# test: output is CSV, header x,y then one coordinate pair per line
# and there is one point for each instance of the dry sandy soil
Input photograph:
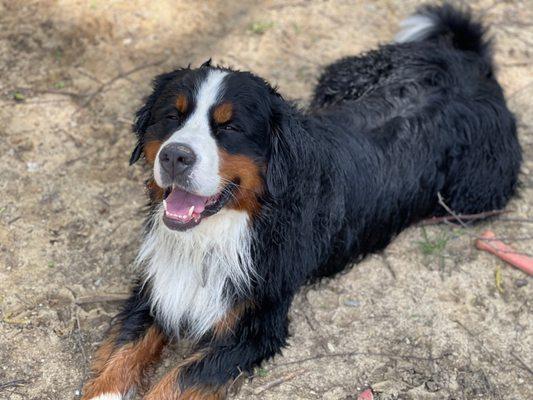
x,y
430,318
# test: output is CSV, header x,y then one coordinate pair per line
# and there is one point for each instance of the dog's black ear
x,y
286,147
136,154
144,115
206,63
142,119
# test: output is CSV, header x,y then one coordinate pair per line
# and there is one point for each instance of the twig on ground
x,y
86,73
67,93
80,342
488,240
13,384
463,217
388,264
102,298
279,381
521,220
122,75
237,382
450,211
83,156
361,353
13,220
522,363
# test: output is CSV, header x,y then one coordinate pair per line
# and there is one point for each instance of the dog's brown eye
x,y
172,117
230,127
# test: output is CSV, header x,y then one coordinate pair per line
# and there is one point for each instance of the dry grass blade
x,y
279,381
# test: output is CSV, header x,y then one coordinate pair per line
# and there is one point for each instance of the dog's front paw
x,y
106,396
202,394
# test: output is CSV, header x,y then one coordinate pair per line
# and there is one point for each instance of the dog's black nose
x,y
176,159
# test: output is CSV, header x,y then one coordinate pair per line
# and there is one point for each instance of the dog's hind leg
x,y
483,175
134,344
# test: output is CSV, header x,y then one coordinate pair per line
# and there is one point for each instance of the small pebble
x,y
351,303
432,386
520,282
32,166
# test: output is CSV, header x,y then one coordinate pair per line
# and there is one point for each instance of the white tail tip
x,y
416,27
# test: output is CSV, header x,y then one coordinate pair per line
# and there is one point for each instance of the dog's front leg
x,y
134,344
247,337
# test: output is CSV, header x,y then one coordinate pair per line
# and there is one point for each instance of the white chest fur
x,y
189,270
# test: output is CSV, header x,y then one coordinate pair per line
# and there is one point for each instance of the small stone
x,y
520,282
32,166
432,386
107,128
352,303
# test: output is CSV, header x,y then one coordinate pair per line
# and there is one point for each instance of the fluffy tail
x,y
446,23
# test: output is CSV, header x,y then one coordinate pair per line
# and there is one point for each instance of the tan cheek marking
x,y
119,370
154,191
223,113
150,150
181,103
249,174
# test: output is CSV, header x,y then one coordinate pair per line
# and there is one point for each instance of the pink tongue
x,y
180,201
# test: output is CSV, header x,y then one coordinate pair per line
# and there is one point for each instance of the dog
x,y
252,197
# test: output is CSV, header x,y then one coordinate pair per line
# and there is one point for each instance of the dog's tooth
x,y
191,211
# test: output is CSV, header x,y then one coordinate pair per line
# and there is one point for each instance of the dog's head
x,y
209,135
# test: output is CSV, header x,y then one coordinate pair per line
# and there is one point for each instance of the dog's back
x,y
438,74
430,118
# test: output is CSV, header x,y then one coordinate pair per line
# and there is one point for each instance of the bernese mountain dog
x,y
252,197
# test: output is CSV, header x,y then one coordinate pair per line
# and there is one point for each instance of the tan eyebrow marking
x,y
181,103
223,113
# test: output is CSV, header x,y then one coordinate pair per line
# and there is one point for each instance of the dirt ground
x,y
430,318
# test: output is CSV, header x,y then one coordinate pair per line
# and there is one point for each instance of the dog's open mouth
x,y
184,210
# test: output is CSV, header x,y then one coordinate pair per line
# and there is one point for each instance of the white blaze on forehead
x,y
196,133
